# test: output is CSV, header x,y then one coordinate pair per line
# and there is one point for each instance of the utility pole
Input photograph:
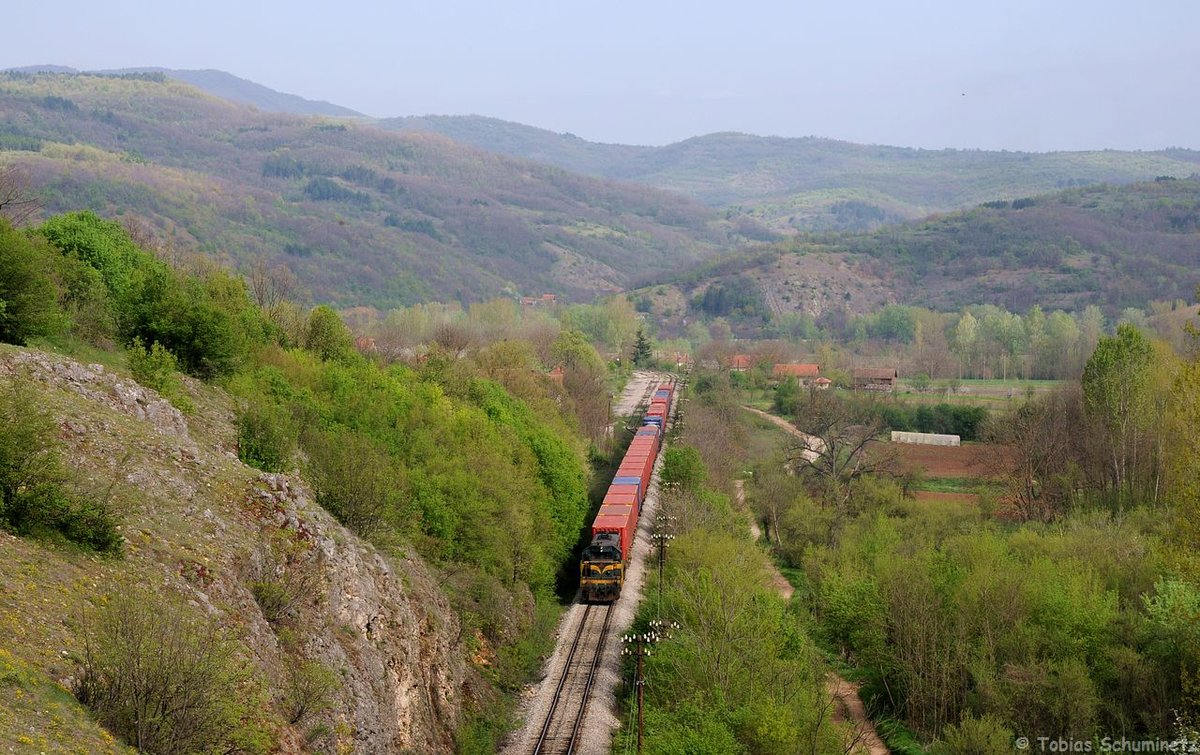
x,y
640,646
663,541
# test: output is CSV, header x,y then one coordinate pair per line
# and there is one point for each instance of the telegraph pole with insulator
x,y
640,645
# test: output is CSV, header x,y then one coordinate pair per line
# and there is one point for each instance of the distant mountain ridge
x,y
361,216
788,184
224,85
811,183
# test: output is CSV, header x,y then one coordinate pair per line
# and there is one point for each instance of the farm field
x,y
966,461
949,473
989,393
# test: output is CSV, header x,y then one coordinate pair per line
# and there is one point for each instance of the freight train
x,y
602,566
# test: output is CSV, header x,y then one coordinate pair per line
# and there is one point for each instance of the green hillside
x,y
1105,245
360,215
811,183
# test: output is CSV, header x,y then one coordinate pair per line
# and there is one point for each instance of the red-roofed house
x,y
802,372
740,362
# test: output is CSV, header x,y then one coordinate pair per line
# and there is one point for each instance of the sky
x,y
1004,74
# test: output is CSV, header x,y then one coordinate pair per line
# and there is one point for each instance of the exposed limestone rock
x,y
200,523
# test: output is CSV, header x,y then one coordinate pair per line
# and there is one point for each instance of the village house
x,y
875,378
803,373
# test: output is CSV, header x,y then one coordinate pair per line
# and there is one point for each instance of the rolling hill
x,y
1112,246
805,184
360,215
223,85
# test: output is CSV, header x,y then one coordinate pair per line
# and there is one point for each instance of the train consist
x,y
602,566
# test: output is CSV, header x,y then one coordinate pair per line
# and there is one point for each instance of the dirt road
x,y
849,706
778,582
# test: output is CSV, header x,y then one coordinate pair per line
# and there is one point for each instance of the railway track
x,y
560,734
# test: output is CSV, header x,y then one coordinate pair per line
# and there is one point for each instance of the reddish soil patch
x,y
974,460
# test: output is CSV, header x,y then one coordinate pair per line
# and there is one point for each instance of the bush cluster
x,y
34,499
83,274
953,419
166,682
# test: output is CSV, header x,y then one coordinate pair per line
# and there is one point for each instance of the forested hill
x,y
1113,246
360,215
811,183
224,85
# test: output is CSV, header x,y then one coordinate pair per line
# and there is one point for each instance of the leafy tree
x,y
966,333
1116,394
102,244
28,294
326,335
682,464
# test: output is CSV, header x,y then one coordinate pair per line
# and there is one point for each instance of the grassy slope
x,y
390,219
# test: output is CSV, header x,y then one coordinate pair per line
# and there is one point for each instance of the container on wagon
x,y
617,524
634,488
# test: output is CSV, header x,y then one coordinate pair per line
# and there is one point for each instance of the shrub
x,y
308,691
266,436
154,367
986,735
167,682
50,511
33,500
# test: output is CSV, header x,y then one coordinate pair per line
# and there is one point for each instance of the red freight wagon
x,y
641,451
619,497
618,524
629,489
648,431
640,467
627,511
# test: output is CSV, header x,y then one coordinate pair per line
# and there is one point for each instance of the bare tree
x,y
271,287
18,200
1041,438
839,446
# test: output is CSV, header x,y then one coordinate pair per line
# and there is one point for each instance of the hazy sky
x,y
1002,74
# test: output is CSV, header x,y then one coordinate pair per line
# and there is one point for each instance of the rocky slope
x,y
199,523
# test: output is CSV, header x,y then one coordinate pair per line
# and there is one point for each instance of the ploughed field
x,y
951,473
967,461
